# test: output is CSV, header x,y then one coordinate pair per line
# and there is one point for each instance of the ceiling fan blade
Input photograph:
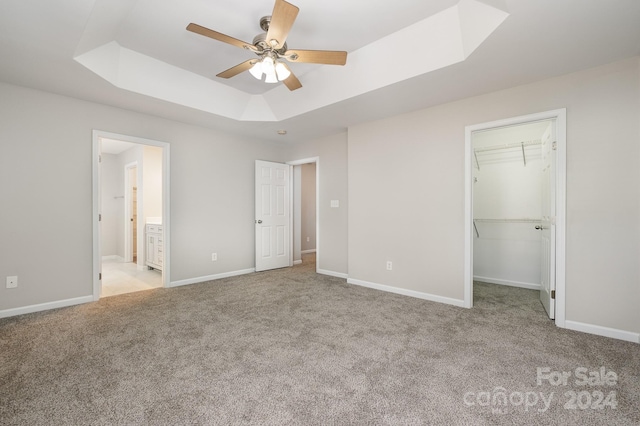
x,y
233,71
282,19
292,81
329,57
198,29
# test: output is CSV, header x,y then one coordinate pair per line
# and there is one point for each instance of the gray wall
x,y
111,207
406,191
297,213
308,207
46,193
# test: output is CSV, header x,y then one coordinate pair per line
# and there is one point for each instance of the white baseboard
x,y
406,292
308,251
297,262
332,273
603,331
45,306
530,286
211,277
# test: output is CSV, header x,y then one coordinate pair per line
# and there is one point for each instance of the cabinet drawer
x,y
152,228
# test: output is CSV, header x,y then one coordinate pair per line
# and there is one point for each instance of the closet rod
x,y
509,146
509,220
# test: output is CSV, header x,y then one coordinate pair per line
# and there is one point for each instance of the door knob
x,y
258,221
539,227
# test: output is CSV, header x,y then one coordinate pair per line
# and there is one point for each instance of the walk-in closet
x,y
508,198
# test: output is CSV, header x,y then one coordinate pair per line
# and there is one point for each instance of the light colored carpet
x,y
292,347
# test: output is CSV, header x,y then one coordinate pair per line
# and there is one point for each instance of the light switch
x,y
335,203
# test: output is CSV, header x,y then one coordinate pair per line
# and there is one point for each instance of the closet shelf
x,y
515,145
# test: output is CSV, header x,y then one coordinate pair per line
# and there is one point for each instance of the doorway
x,y
511,210
130,195
305,211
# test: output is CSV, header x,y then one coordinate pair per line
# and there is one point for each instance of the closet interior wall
x,y
507,205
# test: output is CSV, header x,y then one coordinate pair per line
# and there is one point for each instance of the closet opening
x,y
515,212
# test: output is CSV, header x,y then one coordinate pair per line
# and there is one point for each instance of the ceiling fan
x,y
271,48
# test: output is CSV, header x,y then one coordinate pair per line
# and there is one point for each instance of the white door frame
x,y
560,115
128,234
97,135
309,160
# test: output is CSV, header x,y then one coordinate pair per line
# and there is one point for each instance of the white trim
x,y
166,203
560,115
211,277
405,292
291,218
603,331
299,163
297,262
95,223
307,251
530,286
332,273
45,306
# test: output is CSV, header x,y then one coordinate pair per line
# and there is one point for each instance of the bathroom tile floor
x,y
119,277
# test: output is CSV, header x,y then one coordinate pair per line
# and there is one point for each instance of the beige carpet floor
x,y
292,347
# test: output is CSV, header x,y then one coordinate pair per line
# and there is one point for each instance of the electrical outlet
x,y
12,282
389,265
214,257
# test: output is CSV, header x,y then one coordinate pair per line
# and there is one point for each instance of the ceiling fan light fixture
x,y
256,70
269,70
271,47
271,78
282,71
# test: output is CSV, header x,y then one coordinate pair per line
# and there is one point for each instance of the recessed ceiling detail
x,y
443,39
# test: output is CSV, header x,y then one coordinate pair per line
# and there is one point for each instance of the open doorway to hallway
x,y
129,197
305,211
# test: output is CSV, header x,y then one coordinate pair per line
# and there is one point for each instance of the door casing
x,y
97,135
560,116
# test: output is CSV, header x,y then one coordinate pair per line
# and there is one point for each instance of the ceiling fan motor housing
x,y
260,42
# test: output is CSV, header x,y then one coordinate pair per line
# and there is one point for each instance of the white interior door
x,y
272,216
547,225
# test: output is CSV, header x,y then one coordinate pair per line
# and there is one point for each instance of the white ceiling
x,y
39,40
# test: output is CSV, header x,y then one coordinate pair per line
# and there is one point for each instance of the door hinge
x,y
100,276
99,158
553,294
554,145
99,217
